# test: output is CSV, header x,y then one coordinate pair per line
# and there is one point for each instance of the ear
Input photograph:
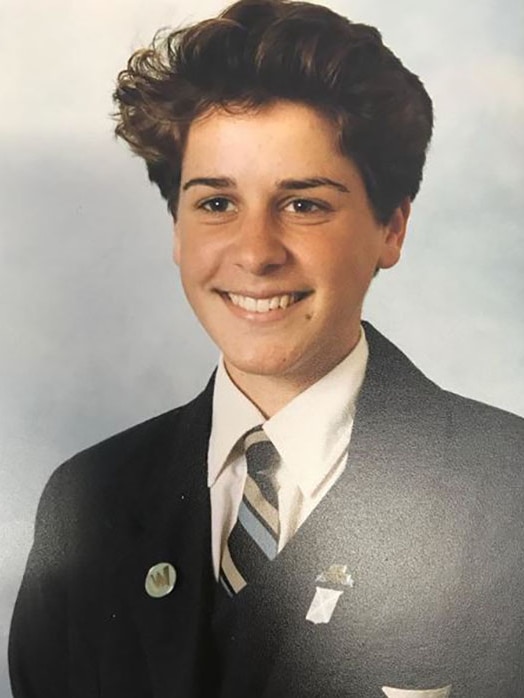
x,y
176,244
394,234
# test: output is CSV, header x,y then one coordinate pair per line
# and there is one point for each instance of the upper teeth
x,y
263,305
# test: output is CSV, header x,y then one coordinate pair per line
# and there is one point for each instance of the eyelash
x,y
214,199
317,206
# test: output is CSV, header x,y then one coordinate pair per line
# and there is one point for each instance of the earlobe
x,y
176,245
394,234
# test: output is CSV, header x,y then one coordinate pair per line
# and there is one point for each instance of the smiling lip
x,y
268,303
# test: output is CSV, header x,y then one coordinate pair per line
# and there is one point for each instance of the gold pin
x,y
336,574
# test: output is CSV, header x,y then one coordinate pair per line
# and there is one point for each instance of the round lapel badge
x,y
160,580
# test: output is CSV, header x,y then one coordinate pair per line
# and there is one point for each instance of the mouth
x,y
268,304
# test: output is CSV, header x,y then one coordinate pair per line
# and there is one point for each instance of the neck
x,y
270,393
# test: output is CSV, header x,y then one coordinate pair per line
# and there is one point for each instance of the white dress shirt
x,y
311,434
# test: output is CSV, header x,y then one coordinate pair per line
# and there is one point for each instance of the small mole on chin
x,y
308,316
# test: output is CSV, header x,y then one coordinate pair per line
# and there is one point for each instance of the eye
x,y
305,206
218,204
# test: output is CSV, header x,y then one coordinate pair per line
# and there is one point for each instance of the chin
x,y
261,364
255,367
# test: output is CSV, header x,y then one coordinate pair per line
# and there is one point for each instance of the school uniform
x,y
407,574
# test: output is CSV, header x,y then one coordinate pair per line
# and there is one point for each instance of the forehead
x,y
276,132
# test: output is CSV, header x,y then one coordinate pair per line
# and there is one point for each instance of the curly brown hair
x,y
259,51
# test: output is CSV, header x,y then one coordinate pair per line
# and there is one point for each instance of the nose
x,y
259,247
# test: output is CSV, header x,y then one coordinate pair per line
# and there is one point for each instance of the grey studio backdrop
x,y
95,332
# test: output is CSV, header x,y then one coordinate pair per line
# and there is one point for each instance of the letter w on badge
x,y
161,578
409,693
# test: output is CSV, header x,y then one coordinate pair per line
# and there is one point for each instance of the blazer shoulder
x,y
471,415
488,442
127,463
107,458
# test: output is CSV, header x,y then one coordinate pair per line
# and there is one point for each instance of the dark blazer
x,y
428,517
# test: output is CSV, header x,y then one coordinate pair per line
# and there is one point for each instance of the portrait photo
x,y
134,169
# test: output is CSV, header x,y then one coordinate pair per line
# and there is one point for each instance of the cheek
x,y
360,257
346,278
199,263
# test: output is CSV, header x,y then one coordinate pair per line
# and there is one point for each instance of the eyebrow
x,y
215,182
287,184
311,183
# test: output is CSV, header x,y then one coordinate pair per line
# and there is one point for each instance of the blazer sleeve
x,y
41,636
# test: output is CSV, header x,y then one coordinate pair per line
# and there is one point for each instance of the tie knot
x,y
261,455
262,462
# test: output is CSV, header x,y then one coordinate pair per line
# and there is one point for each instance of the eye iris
x,y
218,205
303,206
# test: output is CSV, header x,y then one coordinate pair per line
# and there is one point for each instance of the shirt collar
x,y
233,415
310,433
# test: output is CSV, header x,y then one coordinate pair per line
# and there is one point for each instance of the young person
x,y
322,520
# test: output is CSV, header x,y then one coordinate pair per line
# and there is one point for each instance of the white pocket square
x,y
409,693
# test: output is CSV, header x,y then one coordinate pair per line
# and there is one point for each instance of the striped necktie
x,y
254,537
